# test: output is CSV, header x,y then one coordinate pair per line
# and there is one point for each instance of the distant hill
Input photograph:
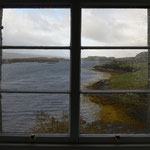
x,y
7,55
124,65
141,57
35,59
98,58
16,57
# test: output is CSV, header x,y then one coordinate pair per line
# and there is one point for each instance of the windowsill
x,y
10,146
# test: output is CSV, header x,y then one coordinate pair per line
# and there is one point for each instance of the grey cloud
x,y
115,27
100,27
35,28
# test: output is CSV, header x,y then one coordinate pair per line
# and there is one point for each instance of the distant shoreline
x,y
116,109
38,60
98,85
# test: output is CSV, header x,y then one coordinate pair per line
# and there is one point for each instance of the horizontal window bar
x,y
35,4
110,138
82,92
115,91
35,47
68,47
35,92
112,135
42,5
23,146
115,47
99,6
40,138
67,3
115,5
55,146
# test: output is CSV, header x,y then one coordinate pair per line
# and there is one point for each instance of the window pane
x,y
35,113
40,27
114,27
36,70
114,70
114,113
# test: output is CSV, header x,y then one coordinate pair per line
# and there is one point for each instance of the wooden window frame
x,y
74,139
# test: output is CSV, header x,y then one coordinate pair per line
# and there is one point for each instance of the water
x,y
18,110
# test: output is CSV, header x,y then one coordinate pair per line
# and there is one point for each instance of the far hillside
x,y
141,57
130,73
16,57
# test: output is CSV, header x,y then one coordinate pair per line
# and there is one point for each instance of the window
x,y
114,69
128,58
36,70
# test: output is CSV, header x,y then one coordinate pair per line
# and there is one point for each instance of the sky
x,y
51,27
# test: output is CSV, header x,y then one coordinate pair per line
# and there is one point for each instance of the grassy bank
x,y
135,79
120,113
125,113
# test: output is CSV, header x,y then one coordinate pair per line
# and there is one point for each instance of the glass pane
x,y
114,27
35,113
38,27
114,70
114,114
36,70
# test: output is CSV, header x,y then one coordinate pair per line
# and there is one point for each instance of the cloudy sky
x,y
100,27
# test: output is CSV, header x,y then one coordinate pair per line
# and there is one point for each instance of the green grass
x,y
119,66
136,80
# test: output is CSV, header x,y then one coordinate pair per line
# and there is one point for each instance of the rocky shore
x,y
120,113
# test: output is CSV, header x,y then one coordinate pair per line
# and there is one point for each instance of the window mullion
x,y
1,13
148,43
75,71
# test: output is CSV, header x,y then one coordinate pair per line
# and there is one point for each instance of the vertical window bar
x,y
1,13
75,71
148,42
